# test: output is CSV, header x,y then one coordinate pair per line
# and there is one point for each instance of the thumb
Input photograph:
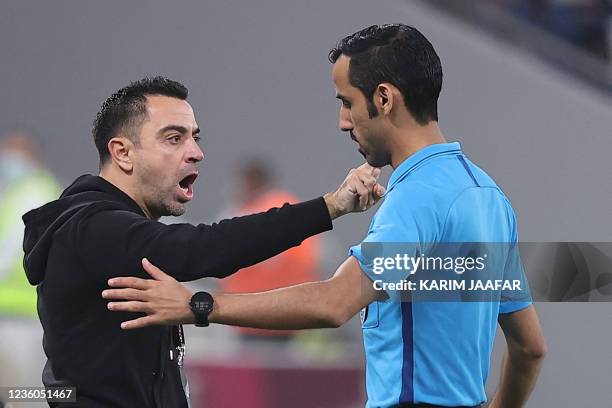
x,y
379,190
154,271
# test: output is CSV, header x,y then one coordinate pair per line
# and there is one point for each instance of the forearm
x,y
305,306
518,378
239,242
311,305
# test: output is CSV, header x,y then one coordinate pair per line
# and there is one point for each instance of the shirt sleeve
x,y
392,230
514,300
112,243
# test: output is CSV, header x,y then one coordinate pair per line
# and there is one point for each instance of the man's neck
x,y
406,142
119,180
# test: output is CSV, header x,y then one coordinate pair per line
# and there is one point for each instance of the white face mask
x,y
12,167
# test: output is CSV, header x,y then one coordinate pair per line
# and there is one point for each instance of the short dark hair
x,y
126,110
259,169
397,54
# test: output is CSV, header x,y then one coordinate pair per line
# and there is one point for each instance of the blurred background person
x,y
255,191
25,184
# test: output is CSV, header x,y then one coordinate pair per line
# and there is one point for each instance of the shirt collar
x,y
419,157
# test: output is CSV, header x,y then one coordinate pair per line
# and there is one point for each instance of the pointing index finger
x,y
374,171
365,167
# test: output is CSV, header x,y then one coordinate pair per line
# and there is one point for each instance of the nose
x,y
195,153
344,121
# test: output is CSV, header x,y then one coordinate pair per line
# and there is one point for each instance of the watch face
x,y
202,302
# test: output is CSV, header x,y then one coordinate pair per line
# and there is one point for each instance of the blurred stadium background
x,y
527,91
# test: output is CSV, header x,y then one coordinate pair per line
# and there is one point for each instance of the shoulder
x,y
419,200
423,199
408,213
104,216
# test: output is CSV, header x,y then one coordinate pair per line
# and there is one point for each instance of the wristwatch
x,y
201,305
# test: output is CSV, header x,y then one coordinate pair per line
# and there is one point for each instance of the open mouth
x,y
186,185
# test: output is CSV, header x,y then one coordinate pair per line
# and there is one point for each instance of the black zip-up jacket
x,y
93,232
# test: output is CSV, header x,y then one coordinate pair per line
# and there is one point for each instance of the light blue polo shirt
x,y
434,352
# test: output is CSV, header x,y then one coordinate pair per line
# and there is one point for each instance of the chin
x,y
174,209
375,161
178,210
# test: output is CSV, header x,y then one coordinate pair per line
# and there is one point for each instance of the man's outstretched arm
x,y
521,365
328,303
189,252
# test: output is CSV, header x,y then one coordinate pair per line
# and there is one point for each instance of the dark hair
x,y
397,54
259,169
126,110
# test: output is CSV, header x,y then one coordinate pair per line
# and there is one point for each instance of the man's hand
x,y
359,192
164,300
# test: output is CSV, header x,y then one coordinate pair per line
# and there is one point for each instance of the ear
x,y
384,97
120,148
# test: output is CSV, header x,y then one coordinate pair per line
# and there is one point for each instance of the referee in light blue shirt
x,y
434,352
419,354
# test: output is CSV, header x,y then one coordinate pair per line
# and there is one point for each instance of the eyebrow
x,y
342,97
178,128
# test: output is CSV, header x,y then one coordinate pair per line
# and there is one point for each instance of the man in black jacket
x,y
147,139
